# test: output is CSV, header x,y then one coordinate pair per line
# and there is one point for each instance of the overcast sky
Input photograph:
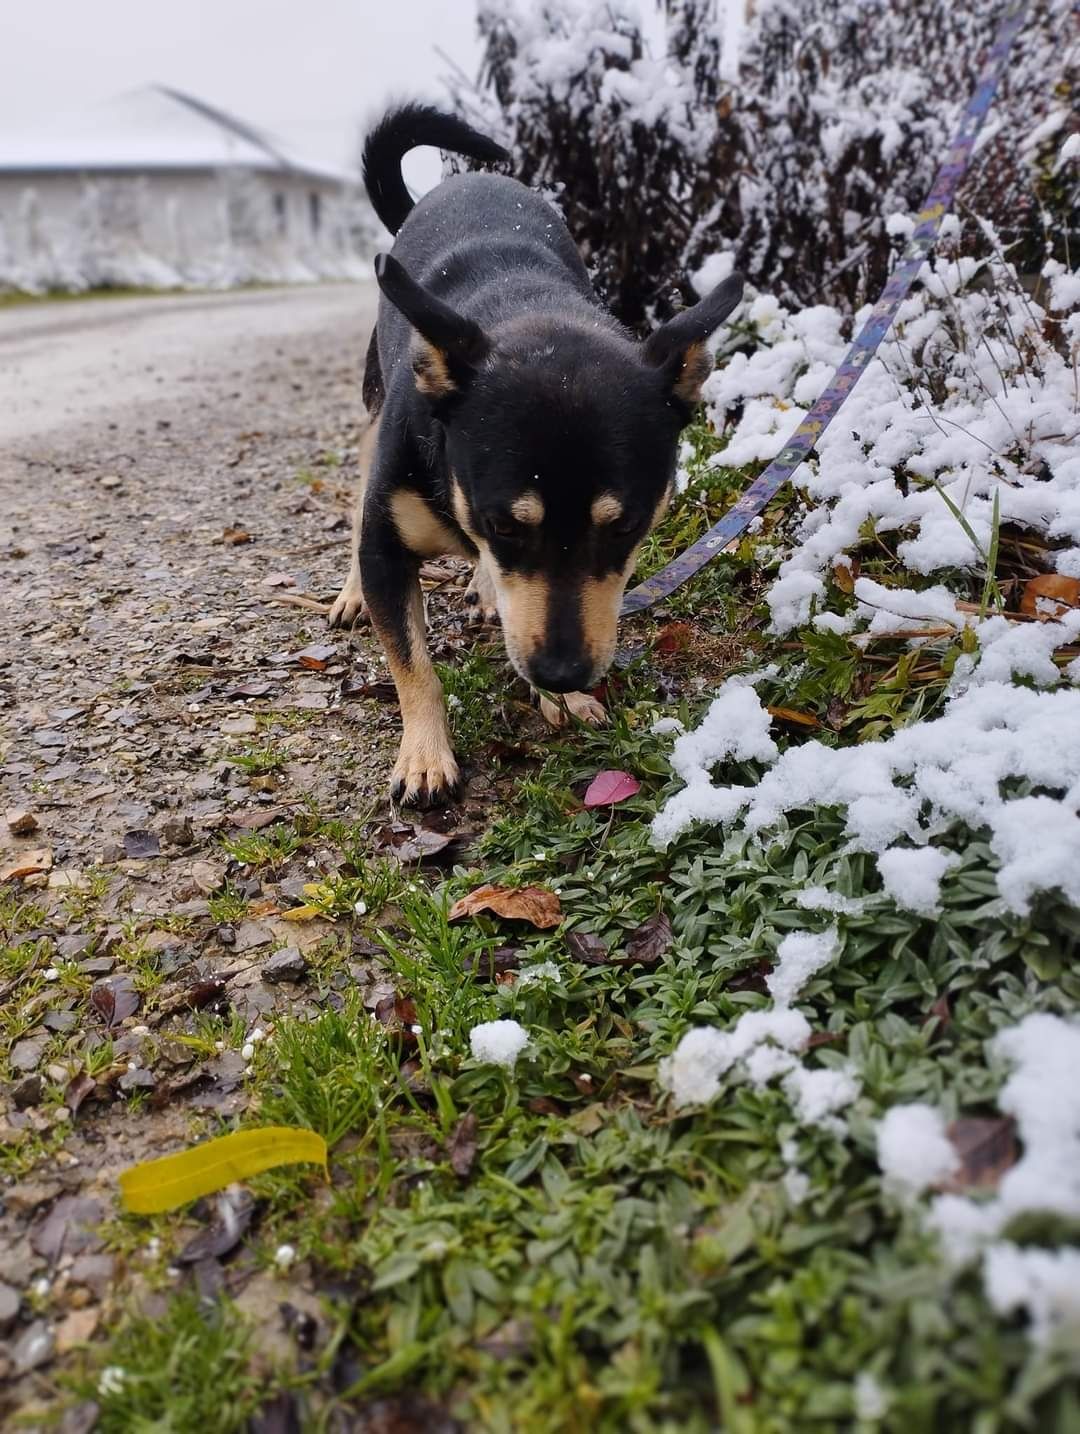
x,y
311,71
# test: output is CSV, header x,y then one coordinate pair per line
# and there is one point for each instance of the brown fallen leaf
x,y
317,657
254,821
673,637
79,1088
115,999
986,1147
535,904
646,945
844,575
398,1015
1050,596
789,714
406,842
461,1147
28,863
235,537
586,947
490,965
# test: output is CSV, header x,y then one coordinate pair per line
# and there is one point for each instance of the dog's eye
x,y
502,528
625,527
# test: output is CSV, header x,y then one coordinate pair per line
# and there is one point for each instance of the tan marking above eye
x,y
529,508
606,509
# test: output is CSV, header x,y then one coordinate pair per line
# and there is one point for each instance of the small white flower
x,y
219,1045
311,862
258,1034
111,1380
153,1248
416,1030
51,973
133,1065
247,1051
41,1287
360,908
284,1256
452,700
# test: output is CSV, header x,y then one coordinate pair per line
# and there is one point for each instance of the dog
x,y
513,421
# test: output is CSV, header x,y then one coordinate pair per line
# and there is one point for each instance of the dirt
x,y
171,470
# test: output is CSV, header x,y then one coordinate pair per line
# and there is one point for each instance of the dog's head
x,y
561,440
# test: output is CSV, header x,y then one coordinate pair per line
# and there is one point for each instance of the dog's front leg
x,y
426,771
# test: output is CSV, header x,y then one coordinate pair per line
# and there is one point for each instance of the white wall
x,y
174,230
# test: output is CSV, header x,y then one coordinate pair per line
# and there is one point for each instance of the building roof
x,y
154,128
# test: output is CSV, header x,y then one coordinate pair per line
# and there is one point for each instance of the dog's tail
x,y
404,129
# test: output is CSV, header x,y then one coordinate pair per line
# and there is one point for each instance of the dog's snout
x,y
560,674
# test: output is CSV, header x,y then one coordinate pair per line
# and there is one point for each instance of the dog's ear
x,y
448,347
678,347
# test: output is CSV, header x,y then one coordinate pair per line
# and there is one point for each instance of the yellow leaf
x,y
314,888
301,913
165,1184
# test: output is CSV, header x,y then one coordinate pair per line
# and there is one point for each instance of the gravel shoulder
x,y
169,467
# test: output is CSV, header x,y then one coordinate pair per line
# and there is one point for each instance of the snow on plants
x,y
1042,1094
498,1042
763,1045
899,794
970,402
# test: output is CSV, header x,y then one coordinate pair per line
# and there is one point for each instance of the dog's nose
x,y
560,674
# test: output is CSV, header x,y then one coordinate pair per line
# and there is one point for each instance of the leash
x,y
798,448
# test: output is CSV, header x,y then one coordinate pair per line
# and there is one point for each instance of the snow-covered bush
x,y
789,152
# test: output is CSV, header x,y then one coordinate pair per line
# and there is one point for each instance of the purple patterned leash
x,y
928,222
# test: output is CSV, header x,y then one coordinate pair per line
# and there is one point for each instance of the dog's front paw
x,y
480,607
580,705
348,605
425,773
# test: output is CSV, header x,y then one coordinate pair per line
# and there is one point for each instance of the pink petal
x,y
607,788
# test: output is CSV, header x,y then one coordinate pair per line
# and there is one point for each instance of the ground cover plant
x,y
747,1099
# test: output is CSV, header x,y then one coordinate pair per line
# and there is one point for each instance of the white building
x,y
158,189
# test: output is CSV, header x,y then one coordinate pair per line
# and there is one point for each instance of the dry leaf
x,y
789,714
535,904
316,657
646,945
78,1088
986,1147
462,1146
673,637
115,999
175,1180
607,788
301,913
28,863
584,946
1050,596
407,843
234,537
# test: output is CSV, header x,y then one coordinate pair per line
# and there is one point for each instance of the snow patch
x,y
913,1149
499,1043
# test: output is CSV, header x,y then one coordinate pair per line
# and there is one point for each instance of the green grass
x,y
186,1371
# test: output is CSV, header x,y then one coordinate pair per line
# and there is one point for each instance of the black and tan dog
x,y
515,422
